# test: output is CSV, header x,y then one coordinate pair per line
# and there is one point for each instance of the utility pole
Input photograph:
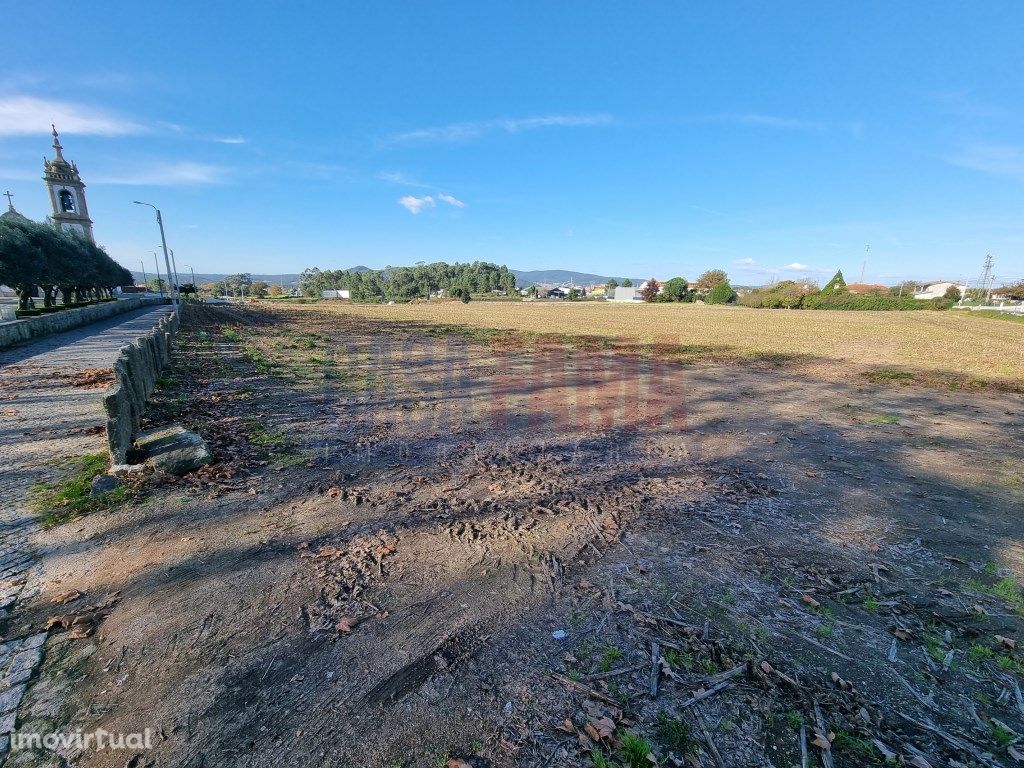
x,y
159,282
145,280
987,276
167,260
864,266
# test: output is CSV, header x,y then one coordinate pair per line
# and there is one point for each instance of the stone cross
x,y
10,199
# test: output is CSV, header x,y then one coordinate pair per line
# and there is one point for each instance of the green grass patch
x,y
675,735
69,498
891,376
635,749
231,334
871,604
884,418
608,658
1000,735
996,315
265,436
849,743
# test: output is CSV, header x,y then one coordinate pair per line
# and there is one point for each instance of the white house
x,y
335,294
938,290
626,294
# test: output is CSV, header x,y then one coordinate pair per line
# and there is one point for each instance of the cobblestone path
x,y
45,416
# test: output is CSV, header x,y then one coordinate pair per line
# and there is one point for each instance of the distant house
x,y
866,288
597,291
336,294
938,290
557,293
627,294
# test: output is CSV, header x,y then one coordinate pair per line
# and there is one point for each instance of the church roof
x,y
14,216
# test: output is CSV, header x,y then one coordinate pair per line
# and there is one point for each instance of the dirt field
x,y
949,343
428,546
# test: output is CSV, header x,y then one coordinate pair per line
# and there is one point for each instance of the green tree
x,y
722,293
952,293
836,285
627,283
611,285
676,289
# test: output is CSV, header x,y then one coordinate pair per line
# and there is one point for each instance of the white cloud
x,y
744,263
231,140
451,200
27,115
459,132
416,204
180,174
796,265
996,159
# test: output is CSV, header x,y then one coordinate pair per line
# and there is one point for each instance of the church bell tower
x,y
67,193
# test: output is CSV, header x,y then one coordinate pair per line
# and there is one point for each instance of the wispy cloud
x,y
28,115
796,265
453,201
996,159
180,174
416,204
231,140
461,132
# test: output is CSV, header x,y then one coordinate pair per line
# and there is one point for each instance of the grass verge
x,y
70,498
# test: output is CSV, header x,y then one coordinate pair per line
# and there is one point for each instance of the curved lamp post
x,y
167,259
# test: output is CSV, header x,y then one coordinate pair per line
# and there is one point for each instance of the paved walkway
x,y
45,417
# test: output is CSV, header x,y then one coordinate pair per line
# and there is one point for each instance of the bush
x,y
870,301
722,293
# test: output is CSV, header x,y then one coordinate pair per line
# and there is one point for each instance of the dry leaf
x,y
567,726
1007,642
333,493
346,624
811,601
67,597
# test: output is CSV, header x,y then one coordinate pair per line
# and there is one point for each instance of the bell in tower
x,y
67,193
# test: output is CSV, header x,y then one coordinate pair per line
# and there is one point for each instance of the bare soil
x,y
419,550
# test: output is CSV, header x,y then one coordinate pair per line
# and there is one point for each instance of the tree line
x,y
407,283
35,256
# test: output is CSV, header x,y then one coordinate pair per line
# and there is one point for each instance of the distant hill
x,y
559,276
205,277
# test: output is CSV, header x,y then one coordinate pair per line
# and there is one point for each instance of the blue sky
x,y
768,139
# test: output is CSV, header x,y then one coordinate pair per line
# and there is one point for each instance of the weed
x,y
608,658
1001,735
979,652
674,735
261,435
1011,664
884,418
635,749
678,659
824,630
794,719
890,376
871,604
847,742
598,759
231,334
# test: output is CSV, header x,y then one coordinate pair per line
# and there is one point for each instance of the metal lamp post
x,y
167,259
194,286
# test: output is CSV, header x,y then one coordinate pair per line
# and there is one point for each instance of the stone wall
x,y
136,370
43,325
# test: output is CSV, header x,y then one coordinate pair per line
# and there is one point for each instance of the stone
x,y
11,698
173,449
120,470
102,484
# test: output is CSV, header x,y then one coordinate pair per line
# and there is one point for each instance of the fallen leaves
x,y
346,624
66,597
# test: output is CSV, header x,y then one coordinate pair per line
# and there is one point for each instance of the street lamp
x,y
167,260
194,286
